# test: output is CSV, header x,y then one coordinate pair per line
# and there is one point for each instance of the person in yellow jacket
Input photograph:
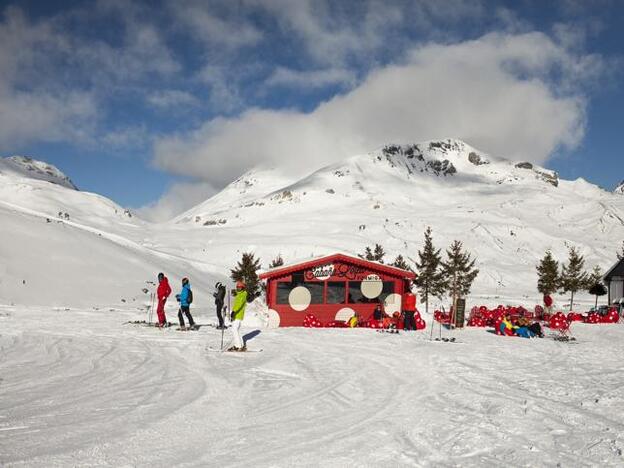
x,y
238,314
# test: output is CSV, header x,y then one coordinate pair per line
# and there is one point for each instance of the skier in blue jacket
x,y
185,297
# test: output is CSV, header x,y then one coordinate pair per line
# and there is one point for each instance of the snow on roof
x,y
314,261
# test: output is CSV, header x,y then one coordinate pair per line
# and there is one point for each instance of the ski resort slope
x,y
81,388
61,263
507,214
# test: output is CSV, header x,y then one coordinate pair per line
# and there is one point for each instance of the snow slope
x,y
65,248
507,213
82,389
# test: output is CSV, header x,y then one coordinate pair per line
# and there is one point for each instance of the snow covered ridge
x,y
620,188
449,157
24,166
370,175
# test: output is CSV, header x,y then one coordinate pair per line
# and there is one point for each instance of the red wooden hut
x,y
332,287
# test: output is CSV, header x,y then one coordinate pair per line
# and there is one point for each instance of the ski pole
x,y
223,328
151,309
432,324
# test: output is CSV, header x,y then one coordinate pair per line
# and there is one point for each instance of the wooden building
x,y
614,280
332,287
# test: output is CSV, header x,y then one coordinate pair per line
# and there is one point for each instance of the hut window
x,y
355,293
388,288
316,291
285,287
283,290
336,292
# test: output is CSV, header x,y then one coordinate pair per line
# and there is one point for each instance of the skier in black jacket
x,y
219,296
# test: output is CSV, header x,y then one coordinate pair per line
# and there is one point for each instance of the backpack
x,y
189,298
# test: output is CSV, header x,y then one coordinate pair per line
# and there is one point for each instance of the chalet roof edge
x,y
615,265
301,265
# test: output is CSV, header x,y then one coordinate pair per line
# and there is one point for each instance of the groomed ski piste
x,y
81,388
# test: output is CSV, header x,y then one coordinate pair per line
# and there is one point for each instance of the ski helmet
x,y
218,285
161,276
185,281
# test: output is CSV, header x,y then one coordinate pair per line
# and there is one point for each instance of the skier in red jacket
x,y
162,292
409,307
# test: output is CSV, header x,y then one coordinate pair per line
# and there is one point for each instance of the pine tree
x,y
399,262
367,255
277,262
595,285
459,271
376,254
573,278
247,271
379,253
430,281
548,274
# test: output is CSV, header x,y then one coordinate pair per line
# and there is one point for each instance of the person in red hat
x,y
238,314
163,292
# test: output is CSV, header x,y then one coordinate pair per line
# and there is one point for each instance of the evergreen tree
x,y
573,278
430,280
277,262
379,253
595,285
548,274
376,254
367,255
400,262
459,271
247,271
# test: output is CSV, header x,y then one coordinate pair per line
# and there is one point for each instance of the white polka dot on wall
x,y
299,298
371,288
274,319
392,303
344,314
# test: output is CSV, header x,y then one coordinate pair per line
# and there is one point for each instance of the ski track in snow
x,y
81,388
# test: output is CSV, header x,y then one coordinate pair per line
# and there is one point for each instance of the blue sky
x,y
160,104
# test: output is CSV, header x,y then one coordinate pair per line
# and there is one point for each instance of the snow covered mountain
x,y
507,213
620,188
27,167
63,247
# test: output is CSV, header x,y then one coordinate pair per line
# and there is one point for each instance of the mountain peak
x,y
24,166
620,188
451,157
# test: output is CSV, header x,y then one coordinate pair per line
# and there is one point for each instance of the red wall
x,y
342,272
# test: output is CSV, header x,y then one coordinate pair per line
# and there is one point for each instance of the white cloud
x,y
171,99
202,20
494,92
287,77
46,113
179,198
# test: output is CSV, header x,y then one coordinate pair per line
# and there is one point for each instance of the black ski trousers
x,y
408,322
220,313
187,312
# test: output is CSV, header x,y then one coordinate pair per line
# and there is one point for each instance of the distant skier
x,y
163,292
238,314
219,296
186,298
409,308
